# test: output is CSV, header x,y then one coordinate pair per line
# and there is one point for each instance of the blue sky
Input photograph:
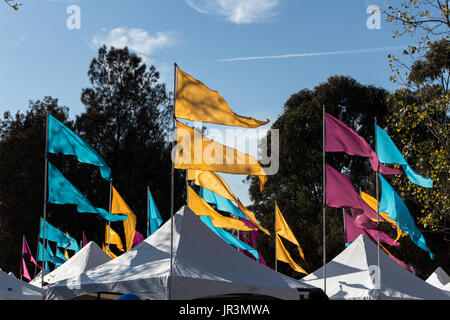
x,y
286,45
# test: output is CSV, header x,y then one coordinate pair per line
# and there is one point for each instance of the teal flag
x,y
221,203
229,238
154,217
53,234
61,191
388,153
393,205
49,256
61,256
63,140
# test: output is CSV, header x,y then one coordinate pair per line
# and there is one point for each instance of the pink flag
x,y
341,138
252,242
24,270
26,252
340,193
85,242
138,238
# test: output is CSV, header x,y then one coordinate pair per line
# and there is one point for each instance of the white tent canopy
x,y
353,275
440,279
90,256
12,288
203,266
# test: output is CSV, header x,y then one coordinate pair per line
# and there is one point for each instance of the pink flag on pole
x,y
85,242
138,238
340,193
26,252
341,138
24,270
252,242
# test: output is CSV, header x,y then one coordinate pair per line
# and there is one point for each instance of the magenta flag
x,y
24,270
340,193
252,241
85,242
138,238
341,138
26,252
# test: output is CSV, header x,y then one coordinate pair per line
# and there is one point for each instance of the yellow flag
x,y
201,208
105,249
285,231
196,102
66,254
196,152
283,255
372,202
213,182
113,238
119,206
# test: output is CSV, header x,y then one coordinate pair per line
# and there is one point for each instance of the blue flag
x,y
54,234
154,217
63,140
229,238
49,256
393,205
388,153
61,256
61,191
221,203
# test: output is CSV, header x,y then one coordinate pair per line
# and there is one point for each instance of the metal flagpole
x,y
109,222
172,182
148,208
324,204
21,256
378,219
345,229
45,203
276,235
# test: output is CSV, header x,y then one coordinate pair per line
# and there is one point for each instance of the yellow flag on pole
x,y
213,182
196,102
196,152
112,255
119,206
113,238
372,202
285,231
201,208
284,256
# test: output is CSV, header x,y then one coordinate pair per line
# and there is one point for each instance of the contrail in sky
x,y
314,54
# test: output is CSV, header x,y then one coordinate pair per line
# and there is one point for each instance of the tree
x,y
297,187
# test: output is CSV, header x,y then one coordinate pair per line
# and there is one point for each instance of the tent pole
x,y
324,204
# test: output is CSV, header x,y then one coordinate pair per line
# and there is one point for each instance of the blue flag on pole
x,y
388,153
53,234
229,238
61,191
154,217
49,256
221,203
393,205
63,140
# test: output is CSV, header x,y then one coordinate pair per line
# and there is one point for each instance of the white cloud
x,y
135,39
237,11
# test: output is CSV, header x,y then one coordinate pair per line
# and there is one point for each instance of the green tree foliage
x,y
126,121
297,187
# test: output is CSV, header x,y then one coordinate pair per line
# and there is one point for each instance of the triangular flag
x,y
284,256
195,101
154,217
113,237
119,206
285,231
108,252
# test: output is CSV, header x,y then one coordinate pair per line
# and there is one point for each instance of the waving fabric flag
x,y
119,206
388,153
285,231
54,234
341,138
284,256
195,101
26,252
61,191
24,270
49,256
252,240
138,238
229,238
340,193
393,205
221,203
154,217
194,151
112,237
213,182
201,208
63,140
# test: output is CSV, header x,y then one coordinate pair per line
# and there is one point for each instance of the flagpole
x,y
148,208
275,233
109,222
378,219
21,256
324,204
172,181
345,229
45,203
